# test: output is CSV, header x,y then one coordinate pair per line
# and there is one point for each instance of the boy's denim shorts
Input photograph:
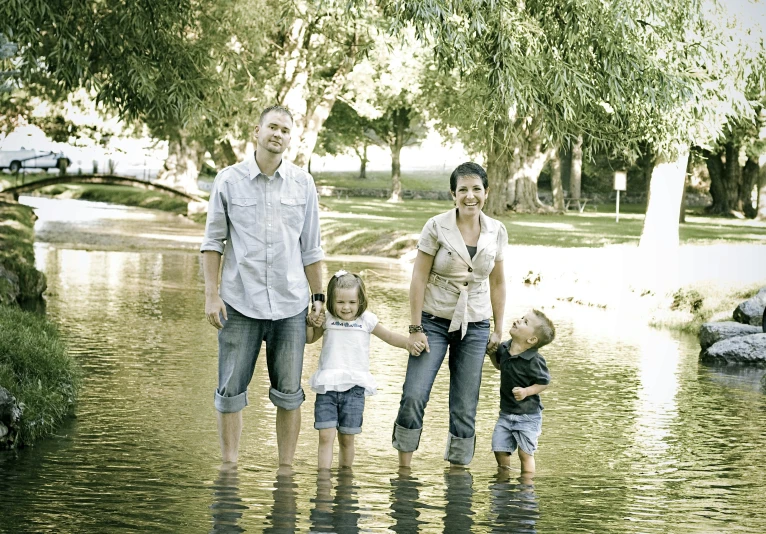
x,y
340,409
522,431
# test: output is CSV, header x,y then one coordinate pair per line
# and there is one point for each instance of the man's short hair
x,y
278,109
545,331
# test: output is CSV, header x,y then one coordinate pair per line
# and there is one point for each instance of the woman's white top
x,y
345,358
458,285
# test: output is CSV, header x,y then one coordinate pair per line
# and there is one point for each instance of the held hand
x,y
494,341
415,348
316,315
519,393
214,308
415,338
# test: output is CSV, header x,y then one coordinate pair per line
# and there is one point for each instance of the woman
x,y
457,282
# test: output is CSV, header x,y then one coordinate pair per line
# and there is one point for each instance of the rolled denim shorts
x,y
239,342
340,409
514,430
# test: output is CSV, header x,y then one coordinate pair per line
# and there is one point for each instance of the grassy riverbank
x,y
34,365
37,370
117,194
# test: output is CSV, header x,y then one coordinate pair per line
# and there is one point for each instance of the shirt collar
x,y
526,355
252,167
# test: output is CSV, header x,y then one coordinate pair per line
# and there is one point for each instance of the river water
x,y
637,435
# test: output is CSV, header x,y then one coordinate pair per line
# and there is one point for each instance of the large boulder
x,y
751,311
711,333
749,350
10,413
9,286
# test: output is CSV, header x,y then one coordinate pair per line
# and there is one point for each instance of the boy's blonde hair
x,y
545,331
346,281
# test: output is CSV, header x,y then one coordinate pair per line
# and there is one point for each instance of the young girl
x,y
343,378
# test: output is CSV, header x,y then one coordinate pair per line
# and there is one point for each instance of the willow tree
x,y
622,72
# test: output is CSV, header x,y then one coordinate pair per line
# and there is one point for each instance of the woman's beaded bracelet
x,y
416,328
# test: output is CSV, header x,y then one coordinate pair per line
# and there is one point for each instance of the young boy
x,y
524,375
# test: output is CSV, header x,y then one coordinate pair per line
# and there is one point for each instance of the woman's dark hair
x,y
346,281
468,168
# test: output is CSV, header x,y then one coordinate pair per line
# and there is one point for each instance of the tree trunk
x,y
575,180
646,164
556,185
523,182
362,155
761,215
715,169
749,180
682,213
733,175
181,168
499,170
565,159
659,238
226,153
401,118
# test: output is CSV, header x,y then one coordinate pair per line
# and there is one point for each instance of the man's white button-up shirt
x,y
267,228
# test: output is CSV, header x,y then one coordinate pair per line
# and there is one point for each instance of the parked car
x,y
30,158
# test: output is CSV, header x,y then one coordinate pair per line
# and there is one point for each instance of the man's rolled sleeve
x,y
310,240
216,226
428,241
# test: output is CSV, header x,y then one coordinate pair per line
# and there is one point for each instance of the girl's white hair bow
x,y
340,273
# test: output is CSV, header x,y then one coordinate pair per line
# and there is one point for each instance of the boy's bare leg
x,y
347,451
326,442
229,432
288,428
527,463
405,459
503,459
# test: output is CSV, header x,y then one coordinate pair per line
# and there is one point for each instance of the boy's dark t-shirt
x,y
522,370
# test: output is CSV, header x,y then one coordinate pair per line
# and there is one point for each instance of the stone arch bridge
x,y
106,179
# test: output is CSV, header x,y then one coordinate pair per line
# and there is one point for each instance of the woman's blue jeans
x,y
466,358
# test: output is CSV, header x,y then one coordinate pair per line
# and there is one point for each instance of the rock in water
x,y
711,333
10,413
748,350
752,310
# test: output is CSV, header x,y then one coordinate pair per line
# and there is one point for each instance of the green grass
x,y
17,252
416,181
376,227
691,306
37,370
117,194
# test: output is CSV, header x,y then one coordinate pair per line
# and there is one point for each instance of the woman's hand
x,y
494,341
418,339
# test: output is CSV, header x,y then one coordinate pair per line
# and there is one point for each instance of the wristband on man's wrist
x,y
416,328
317,297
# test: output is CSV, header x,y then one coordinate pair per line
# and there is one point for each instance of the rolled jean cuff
x,y
287,401
406,439
230,404
459,450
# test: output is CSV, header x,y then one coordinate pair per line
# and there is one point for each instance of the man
x,y
263,217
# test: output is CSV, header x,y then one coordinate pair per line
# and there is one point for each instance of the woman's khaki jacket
x,y
458,286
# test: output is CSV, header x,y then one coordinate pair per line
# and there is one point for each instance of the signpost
x,y
620,184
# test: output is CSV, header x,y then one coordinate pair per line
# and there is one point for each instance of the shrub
x,y
36,369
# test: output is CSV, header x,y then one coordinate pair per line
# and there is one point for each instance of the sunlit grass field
x,y
374,226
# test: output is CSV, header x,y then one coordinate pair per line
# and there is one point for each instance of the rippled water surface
x,y
637,436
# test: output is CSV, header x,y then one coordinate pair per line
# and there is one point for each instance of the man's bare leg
x,y
229,431
288,428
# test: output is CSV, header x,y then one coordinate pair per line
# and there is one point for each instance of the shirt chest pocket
x,y
293,212
448,263
242,212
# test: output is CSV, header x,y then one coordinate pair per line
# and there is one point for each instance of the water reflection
x,y
514,505
405,502
284,512
339,514
227,507
458,494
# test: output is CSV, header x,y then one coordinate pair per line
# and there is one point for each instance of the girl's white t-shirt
x,y
345,358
